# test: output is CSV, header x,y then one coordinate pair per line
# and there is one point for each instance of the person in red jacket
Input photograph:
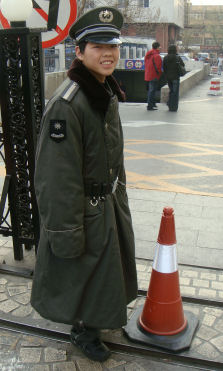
x,y
153,72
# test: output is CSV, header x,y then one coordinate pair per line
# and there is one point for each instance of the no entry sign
x,y
67,12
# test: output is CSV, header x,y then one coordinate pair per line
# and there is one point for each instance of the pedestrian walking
x,y
153,72
220,64
85,272
171,66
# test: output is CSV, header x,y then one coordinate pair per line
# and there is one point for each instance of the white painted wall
x,y
171,11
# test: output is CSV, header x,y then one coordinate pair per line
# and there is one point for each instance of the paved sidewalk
x,y
26,352
198,220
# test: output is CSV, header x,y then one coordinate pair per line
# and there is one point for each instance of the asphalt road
x,y
176,151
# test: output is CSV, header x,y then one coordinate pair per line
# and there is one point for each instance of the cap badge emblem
x,y
57,126
106,16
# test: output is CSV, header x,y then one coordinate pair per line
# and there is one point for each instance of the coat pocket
x,y
67,243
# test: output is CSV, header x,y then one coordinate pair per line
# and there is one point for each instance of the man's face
x,y
100,59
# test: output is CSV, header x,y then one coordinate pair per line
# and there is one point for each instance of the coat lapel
x,y
96,92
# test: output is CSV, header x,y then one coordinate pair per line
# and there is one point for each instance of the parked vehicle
x,y
204,57
184,57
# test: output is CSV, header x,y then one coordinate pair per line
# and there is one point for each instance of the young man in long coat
x,y
85,273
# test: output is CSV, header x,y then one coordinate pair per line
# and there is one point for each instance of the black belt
x,y
98,191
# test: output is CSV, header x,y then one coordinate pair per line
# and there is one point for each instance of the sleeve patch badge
x,y
58,130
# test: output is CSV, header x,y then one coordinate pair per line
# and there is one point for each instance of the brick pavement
x,y
26,353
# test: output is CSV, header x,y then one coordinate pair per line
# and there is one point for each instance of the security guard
x,y
85,273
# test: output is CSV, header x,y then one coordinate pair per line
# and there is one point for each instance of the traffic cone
x,y
163,310
215,88
161,321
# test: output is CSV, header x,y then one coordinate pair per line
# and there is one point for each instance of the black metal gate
x,y
22,102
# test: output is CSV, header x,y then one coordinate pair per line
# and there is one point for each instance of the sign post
x,y
55,16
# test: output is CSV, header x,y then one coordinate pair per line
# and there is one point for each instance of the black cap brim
x,y
112,40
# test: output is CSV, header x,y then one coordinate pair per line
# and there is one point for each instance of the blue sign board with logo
x,y
134,64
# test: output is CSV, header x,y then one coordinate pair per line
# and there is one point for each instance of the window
x,y
122,52
197,41
209,42
143,3
197,16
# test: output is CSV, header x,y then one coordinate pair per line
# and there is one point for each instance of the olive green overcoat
x,y
85,266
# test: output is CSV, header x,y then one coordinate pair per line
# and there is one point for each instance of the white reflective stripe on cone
x,y
165,260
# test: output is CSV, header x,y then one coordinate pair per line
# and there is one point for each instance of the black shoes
x,y
152,108
88,340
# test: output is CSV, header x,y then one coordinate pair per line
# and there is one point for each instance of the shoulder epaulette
x,y
70,91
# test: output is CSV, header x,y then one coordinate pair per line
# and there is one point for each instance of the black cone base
x,y
174,343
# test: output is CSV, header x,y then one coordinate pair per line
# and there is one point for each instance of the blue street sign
x,y
134,64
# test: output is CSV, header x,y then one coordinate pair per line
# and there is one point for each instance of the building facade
x,y
206,28
148,19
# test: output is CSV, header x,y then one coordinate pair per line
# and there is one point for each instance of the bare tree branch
x,y
80,7
143,18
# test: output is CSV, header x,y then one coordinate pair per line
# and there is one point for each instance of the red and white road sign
x,y
66,16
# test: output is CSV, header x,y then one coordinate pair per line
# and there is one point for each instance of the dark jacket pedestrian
x,y
85,273
153,72
171,70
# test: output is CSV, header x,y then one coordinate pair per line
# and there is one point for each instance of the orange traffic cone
x,y
162,321
163,310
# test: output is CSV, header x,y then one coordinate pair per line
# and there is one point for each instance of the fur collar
x,y
96,92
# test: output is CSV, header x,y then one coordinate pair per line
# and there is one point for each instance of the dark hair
x,y
82,45
172,49
155,45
